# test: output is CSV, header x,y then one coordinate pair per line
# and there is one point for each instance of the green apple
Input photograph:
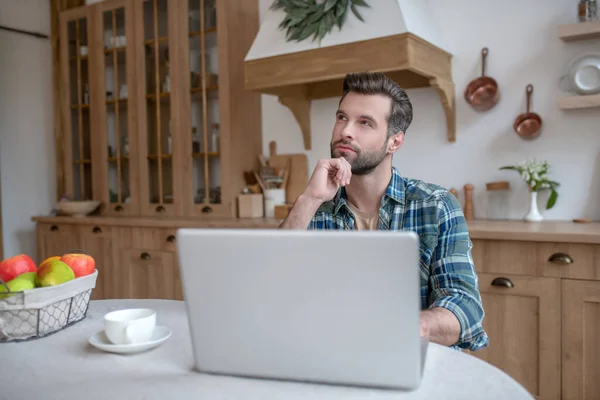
x,y
54,273
30,276
18,284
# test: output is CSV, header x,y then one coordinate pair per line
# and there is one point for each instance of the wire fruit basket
x,y
39,312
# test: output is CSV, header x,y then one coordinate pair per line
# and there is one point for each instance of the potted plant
x,y
535,174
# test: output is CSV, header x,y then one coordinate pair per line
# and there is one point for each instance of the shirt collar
x,y
395,191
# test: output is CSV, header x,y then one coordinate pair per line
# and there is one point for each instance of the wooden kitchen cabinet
x,y
115,174
581,339
542,305
157,119
523,324
148,274
77,159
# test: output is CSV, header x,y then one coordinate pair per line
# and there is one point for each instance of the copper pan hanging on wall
x,y
482,93
529,124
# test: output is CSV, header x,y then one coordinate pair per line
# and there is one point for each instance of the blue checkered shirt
x,y
448,277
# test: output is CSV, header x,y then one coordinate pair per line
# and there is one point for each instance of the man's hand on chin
x,y
440,326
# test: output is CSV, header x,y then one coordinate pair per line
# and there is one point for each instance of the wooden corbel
x,y
299,104
445,89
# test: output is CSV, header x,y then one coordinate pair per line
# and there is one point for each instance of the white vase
x,y
534,214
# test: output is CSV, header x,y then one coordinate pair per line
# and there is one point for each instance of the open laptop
x,y
336,307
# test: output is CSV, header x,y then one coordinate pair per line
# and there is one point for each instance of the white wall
x,y
524,48
27,165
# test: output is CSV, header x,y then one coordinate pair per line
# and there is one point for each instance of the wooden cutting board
x,y
298,177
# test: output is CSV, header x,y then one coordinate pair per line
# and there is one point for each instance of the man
x,y
358,188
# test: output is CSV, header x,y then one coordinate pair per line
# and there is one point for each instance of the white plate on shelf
x,y
100,341
583,75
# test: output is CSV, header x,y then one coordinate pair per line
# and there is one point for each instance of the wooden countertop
x,y
546,231
164,222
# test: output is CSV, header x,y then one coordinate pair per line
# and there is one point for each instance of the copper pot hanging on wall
x,y
529,124
482,93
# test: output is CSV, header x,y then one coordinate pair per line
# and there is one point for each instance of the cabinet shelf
x,y
115,159
122,102
209,154
159,40
82,106
579,31
166,156
203,32
578,102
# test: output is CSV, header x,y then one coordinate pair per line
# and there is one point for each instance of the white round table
x,y
64,366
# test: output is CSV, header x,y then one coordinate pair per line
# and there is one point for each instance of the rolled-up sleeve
x,y
453,279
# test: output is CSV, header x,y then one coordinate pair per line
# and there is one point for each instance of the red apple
x,y
15,266
81,264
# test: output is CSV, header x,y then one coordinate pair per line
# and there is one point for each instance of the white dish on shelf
x,y
100,341
77,208
583,75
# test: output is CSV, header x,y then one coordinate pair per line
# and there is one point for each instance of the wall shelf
x,y
579,31
577,102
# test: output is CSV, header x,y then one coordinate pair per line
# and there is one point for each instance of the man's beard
x,y
365,162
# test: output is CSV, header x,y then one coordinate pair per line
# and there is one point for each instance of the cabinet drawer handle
x,y
54,228
503,282
160,209
560,258
171,239
119,208
145,256
207,209
97,230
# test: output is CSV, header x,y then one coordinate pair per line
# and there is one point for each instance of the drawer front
x,y
100,231
158,239
57,228
549,259
505,257
570,260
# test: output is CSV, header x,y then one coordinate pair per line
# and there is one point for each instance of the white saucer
x,y
100,341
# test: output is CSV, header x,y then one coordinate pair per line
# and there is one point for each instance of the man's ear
x,y
395,142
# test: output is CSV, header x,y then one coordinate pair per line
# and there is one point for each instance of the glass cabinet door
x,y
74,32
116,113
203,184
155,36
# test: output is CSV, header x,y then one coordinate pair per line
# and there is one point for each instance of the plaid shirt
x,y
448,277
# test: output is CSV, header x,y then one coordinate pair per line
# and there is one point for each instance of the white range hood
x,y
397,37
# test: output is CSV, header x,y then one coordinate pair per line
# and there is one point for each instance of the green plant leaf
x,y
356,13
329,4
277,4
341,8
315,17
552,199
340,21
360,3
511,167
321,29
301,3
306,32
296,20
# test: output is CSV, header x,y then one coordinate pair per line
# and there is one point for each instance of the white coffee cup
x,y
130,326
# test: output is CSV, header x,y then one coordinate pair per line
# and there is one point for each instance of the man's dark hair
x,y
401,113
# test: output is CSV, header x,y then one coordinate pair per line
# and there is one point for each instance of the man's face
x,y
360,131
